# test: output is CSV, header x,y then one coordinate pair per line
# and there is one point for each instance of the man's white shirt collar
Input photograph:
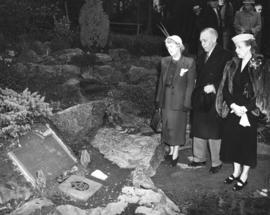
x,y
210,52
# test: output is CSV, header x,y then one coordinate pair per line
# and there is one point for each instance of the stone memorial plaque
x,y
42,149
79,187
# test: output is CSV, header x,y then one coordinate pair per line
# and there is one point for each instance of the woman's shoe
x,y
239,185
174,161
230,179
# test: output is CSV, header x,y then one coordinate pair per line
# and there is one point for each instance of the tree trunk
x,y
149,29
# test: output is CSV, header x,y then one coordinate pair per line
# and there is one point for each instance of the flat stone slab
x,y
42,150
79,187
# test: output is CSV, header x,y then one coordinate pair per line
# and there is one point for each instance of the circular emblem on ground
x,y
79,185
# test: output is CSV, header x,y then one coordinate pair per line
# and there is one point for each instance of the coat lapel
x,y
232,72
213,54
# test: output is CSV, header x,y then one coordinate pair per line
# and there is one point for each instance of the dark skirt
x,y
174,127
173,123
239,144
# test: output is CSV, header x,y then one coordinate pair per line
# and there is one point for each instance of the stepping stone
x,y
79,188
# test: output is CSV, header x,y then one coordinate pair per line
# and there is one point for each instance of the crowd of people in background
x,y
228,18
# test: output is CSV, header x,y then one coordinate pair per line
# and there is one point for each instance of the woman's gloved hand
x,y
238,110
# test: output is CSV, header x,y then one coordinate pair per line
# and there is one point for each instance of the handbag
x,y
156,121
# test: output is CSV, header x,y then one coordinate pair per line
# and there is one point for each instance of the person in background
x,y
197,23
205,123
258,8
176,83
247,19
241,98
227,18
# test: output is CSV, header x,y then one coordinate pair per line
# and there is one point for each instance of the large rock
x,y
105,74
137,74
41,48
66,55
125,113
119,54
12,191
34,206
113,208
69,210
66,70
140,179
71,92
29,55
150,202
77,121
127,151
93,88
103,58
108,74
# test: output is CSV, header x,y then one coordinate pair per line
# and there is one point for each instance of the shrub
x,y
94,24
18,111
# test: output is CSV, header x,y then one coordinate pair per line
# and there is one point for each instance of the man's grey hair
x,y
211,31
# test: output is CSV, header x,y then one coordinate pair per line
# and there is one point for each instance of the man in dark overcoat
x,y
211,17
206,125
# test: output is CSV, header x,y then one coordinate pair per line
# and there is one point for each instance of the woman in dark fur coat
x,y
242,96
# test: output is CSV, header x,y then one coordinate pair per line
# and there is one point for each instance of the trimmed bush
x,y
18,111
94,24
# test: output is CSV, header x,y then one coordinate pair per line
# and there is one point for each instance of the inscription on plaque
x,y
42,149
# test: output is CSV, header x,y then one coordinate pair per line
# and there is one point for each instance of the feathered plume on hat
x,y
163,30
174,38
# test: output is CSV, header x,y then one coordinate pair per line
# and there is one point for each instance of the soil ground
x,y
196,191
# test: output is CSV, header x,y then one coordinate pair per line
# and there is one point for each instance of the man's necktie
x,y
206,57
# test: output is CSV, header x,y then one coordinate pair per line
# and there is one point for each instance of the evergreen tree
x,y
94,24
